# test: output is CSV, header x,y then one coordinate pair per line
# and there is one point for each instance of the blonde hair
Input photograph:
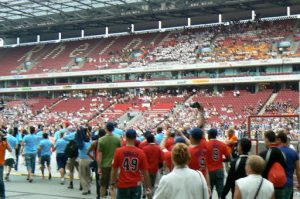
x,y
256,163
181,155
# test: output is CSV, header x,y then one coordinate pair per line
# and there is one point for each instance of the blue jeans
x,y
129,193
2,188
30,161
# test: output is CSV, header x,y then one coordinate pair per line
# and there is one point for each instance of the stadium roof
x,y
25,17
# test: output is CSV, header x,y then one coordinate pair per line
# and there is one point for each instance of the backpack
x,y
277,174
71,150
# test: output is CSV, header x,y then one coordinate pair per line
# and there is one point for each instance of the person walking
x,y
107,146
3,147
45,148
237,168
293,164
216,150
254,185
61,158
10,156
182,182
131,162
29,147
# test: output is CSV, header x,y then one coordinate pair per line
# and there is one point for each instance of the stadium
x,y
143,64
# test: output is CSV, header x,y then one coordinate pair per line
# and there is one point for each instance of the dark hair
x,y
159,130
45,135
270,135
15,133
282,137
150,138
245,145
101,133
31,130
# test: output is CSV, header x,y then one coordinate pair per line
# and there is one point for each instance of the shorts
x,y
61,160
9,162
45,159
105,178
30,161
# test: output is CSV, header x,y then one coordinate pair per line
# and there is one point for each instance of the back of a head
x,y
150,138
159,129
45,135
131,134
196,134
245,145
256,164
110,126
270,135
212,133
31,130
181,155
282,137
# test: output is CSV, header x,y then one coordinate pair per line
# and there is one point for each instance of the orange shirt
x,y
3,147
215,152
168,159
131,160
143,143
231,146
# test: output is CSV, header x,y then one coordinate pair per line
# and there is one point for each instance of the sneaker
x,y
70,186
50,176
62,181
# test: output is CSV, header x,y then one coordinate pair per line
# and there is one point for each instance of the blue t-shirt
x,y
57,133
61,145
46,145
69,136
12,141
118,133
83,151
40,135
19,138
159,137
291,158
31,142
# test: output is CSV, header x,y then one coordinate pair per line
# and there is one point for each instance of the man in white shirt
x,y
254,185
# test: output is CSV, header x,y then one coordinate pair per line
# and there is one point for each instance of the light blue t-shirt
x,y
40,136
159,137
57,133
83,151
31,142
12,141
69,136
19,138
118,133
61,145
46,145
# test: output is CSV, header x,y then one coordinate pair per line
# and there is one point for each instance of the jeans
x,y
2,188
30,161
129,193
217,179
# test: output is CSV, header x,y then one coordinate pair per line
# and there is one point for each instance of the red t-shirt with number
x,y
198,157
130,160
215,153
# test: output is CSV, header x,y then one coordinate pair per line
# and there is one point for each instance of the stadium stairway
x,y
270,100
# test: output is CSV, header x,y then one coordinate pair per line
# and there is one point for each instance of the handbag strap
x,y
262,179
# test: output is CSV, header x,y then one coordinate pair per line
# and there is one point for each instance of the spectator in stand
x,y
272,155
237,167
10,156
45,147
61,158
216,150
194,185
154,157
159,135
132,164
106,149
293,164
254,185
29,147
